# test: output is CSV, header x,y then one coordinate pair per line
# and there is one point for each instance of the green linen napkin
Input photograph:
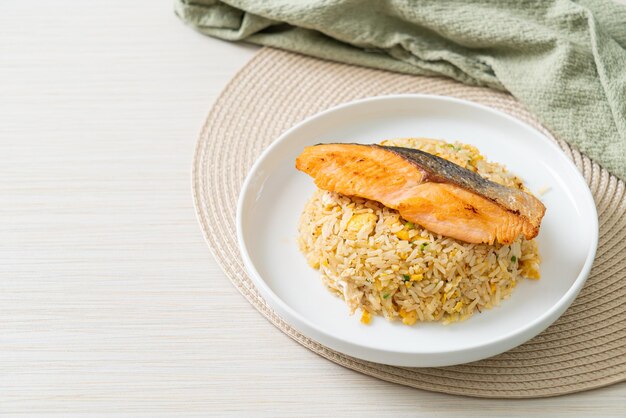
x,y
565,60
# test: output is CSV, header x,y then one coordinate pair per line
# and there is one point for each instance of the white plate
x,y
274,194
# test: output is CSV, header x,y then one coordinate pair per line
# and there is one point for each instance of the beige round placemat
x,y
584,349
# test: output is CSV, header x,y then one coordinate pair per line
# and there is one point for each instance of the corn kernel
x,y
458,306
416,277
403,234
493,288
471,148
366,317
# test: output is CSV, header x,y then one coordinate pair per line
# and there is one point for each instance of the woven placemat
x,y
584,349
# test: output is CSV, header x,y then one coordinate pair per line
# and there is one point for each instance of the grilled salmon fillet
x,y
425,189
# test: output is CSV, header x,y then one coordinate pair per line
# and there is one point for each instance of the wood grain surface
x,y
110,302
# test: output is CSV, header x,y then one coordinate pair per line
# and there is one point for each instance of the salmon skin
x,y
430,191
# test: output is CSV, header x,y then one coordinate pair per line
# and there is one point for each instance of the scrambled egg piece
x,y
408,318
360,221
529,270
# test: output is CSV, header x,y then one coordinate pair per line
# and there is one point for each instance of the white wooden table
x,y
110,301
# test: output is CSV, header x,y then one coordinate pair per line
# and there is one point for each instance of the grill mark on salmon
x,y
435,193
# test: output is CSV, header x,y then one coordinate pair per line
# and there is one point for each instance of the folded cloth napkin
x,y
565,60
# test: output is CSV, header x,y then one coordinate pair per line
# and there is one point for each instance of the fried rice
x,y
381,264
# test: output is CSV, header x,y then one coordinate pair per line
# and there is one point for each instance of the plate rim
x,y
310,330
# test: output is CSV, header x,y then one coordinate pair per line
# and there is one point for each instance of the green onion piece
x,y
406,277
424,244
514,259
386,295
409,225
